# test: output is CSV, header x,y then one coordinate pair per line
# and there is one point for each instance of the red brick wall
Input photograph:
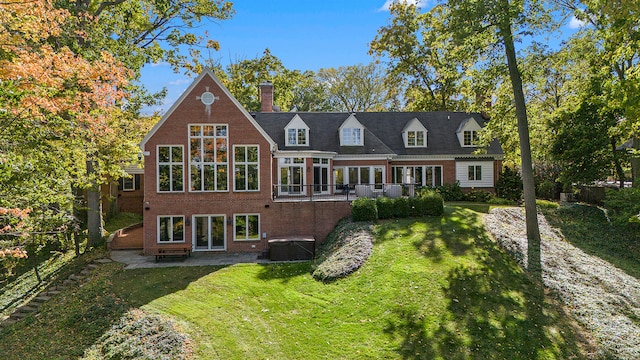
x,y
315,218
174,131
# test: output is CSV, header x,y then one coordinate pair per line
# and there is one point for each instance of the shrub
x,y
344,251
547,190
141,336
545,204
623,206
451,192
364,209
385,207
509,184
478,196
430,203
401,207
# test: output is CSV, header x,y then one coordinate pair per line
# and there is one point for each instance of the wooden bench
x,y
163,253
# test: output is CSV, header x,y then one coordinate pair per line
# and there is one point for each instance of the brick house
x,y
222,179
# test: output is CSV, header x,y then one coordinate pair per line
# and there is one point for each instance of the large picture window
x,y
170,229
247,227
246,168
170,168
208,163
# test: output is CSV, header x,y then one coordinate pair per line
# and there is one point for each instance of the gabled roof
x,y
176,104
383,132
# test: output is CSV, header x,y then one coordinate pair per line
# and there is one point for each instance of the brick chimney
x,y
266,97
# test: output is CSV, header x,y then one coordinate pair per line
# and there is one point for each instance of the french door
x,y
209,232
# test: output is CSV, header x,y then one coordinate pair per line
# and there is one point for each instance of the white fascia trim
x,y
304,154
365,157
448,157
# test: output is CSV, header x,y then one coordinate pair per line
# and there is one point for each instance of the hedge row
x,y
426,203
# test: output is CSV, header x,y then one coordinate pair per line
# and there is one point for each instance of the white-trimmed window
x,y
246,227
475,172
170,229
429,175
246,168
415,139
470,137
170,168
297,137
208,161
351,136
129,183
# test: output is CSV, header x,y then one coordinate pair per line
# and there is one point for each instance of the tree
x,y
617,39
356,88
422,58
293,89
583,143
499,19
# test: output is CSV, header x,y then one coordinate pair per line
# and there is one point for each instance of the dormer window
x,y
296,132
351,136
414,134
468,132
415,138
470,137
351,132
297,137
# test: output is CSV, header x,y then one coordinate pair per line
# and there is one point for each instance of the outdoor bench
x,y
163,253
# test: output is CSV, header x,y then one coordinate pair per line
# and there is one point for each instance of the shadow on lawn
x,y
587,228
284,272
75,319
494,311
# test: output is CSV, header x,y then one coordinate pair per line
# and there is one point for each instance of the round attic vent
x,y
207,98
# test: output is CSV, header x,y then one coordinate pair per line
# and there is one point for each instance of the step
x,y
76,277
85,272
93,266
27,308
51,293
102,261
69,282
18,315
41,298
8,322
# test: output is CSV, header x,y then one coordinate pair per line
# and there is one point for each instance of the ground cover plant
x,y
344,251
433,288
603,295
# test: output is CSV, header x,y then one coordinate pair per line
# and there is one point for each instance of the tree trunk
x,y
531,215
617,164
635,163
94,211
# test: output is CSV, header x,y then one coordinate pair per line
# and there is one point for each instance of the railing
x,y
342,192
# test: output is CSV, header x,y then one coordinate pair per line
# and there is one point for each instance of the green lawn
x,y
434,288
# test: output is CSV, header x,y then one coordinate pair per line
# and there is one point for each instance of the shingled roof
x,y
382,135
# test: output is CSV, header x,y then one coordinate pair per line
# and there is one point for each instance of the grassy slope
x,y
433,288
587,228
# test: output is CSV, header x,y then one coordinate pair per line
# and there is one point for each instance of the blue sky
x,y
303,34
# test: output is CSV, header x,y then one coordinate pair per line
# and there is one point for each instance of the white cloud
x,y
574,23
419,3
180,82
164,63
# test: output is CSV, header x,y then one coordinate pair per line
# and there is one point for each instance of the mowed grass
x,y
434,288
